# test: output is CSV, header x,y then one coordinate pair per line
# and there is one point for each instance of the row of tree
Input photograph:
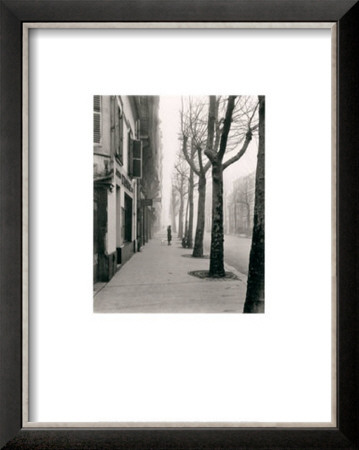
x,y
215,133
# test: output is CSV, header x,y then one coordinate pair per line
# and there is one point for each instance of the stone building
x,y
127,178
240,205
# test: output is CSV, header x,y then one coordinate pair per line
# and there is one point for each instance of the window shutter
x,y
137,159
119,133
120,144
97,119
129,153
97,103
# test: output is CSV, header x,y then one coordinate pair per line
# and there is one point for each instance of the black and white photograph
x,y
164,274
178,204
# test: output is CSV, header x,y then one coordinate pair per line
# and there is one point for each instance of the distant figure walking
x,y
169,235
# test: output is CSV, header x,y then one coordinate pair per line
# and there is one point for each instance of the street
x,y
236,251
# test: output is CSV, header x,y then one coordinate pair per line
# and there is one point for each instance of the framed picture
x,y
169,94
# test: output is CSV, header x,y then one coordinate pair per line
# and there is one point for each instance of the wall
x,y
102,152
130,122
111,227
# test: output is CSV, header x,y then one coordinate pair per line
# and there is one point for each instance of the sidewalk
x,y
156,280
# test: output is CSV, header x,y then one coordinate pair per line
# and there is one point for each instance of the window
x,y
97,119
137,159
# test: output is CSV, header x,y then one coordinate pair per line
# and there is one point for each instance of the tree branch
x,y
226,126
189,160
241,151
247,140
199,152
254,111
207,166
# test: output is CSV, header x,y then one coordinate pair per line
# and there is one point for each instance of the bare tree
x,y
219,140
194,128
255,286
179,183
189,227
189,157
174,208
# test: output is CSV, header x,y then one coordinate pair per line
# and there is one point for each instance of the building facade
x,y
127,156
240,206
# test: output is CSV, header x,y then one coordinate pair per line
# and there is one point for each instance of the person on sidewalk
x,y
169,235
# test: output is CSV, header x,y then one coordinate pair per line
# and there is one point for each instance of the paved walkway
x,y
156,280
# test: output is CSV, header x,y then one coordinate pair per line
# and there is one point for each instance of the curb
x,y
242,277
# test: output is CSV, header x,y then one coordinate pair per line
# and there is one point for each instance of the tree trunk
x,y
255,286
198,242
180,219
190,214
216,267
186,219
173,211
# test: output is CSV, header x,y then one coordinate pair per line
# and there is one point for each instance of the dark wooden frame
x,y
12,14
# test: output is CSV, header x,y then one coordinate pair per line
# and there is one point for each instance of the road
x,y
236,251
